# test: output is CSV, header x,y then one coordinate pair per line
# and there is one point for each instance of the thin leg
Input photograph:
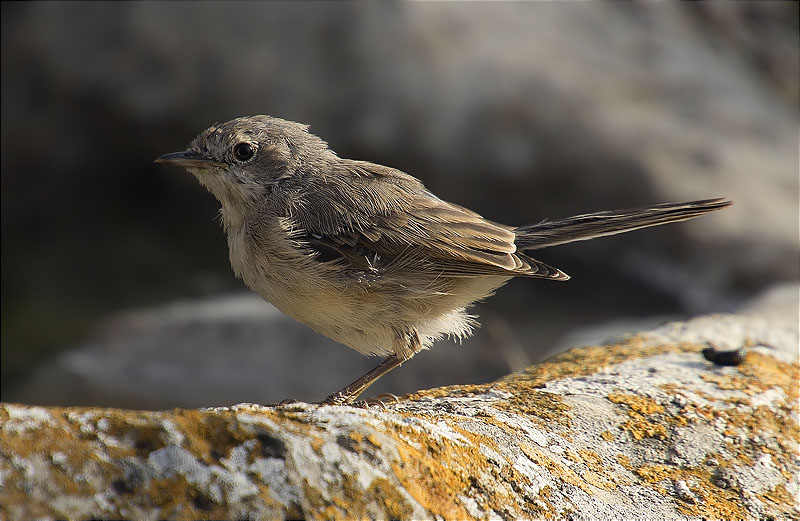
x,y
352,391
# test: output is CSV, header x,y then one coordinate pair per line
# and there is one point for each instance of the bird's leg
x,y
352,391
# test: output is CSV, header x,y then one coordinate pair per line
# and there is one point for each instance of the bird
x,y
365,254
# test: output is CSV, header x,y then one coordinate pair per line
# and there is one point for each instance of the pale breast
x,y
311,292
371,316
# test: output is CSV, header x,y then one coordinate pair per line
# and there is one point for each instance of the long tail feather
x,y
589,226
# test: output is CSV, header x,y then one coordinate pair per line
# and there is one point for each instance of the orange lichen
x,y
728,382
386,495
778,496
641,429
712,501
587,457
543,408
583,361
598,480
556,469
430,483
638,407
624,460
435,470
317,443
374,440
765,372
758,373
636,403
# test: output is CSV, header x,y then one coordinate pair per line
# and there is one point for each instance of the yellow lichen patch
x,y
178,499
607,435
374,440
38,440
347,500
728,382
348,496
778,496
542,408
587,457
436,470
712,501
765,421
316,444
591,459
637,403
641,428
386,495
317,506
544,498
209,435
587,360
765,372
597,480
758,373
69,437
562,472
736,401
625,461
140,434
638,425
678,420
572,456
447,392
431,481
584,481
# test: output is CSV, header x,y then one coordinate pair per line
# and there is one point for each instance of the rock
x,y
642,428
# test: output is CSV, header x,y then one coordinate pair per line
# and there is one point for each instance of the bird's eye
x,y
244,152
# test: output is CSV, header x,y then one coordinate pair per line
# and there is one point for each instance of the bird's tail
x,y
591,225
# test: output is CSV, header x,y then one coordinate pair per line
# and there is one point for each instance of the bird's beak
x,y
188,158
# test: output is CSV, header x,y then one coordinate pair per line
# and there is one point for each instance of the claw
x,y
377,401
387,396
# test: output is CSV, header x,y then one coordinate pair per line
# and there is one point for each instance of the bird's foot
x,y
340,398
378,401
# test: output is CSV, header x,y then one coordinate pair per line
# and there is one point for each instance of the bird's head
x,y
243,158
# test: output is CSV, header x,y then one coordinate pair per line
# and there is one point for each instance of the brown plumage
x,y
364,253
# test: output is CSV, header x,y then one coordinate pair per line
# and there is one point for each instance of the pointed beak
x,y
189,159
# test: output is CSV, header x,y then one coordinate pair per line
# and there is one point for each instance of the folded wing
x,y
396,224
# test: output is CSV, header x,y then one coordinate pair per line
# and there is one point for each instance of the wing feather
x,y
390,216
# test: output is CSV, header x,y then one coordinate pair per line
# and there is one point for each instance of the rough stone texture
x,y
642,428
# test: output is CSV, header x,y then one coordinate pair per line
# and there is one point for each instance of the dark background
x,y
519,111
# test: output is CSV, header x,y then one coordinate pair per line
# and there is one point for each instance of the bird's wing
x,y
375,217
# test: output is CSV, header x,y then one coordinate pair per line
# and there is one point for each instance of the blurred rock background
x,y
519,111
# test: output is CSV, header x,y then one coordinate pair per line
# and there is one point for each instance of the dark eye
x,y
244,152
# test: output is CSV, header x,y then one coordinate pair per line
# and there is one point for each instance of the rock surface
x,y
642,428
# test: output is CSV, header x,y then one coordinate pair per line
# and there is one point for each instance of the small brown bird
x,y
364,254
